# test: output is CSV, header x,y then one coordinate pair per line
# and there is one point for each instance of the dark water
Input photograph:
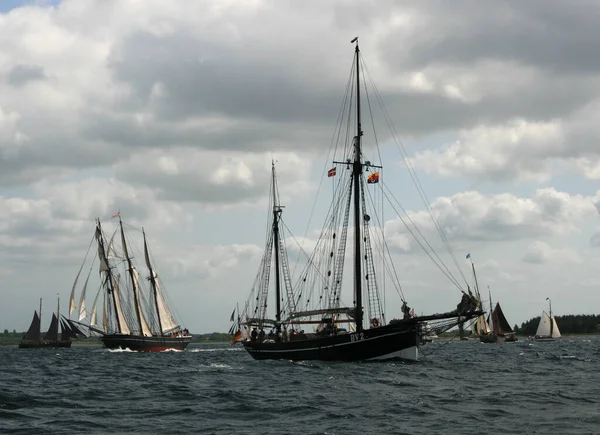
x,y
461,388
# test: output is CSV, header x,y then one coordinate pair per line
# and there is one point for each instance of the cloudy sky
x,y
171,112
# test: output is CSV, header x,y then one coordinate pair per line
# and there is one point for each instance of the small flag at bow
x,y
331,172
373,178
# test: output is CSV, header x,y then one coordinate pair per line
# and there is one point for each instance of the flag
x,y
412,313
373,178
468,255
231,318
116,215
547,298
237,337
331,172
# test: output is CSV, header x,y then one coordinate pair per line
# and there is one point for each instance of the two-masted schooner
x,y
54,337
133,316
340,332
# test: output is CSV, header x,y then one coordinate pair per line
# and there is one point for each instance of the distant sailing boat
x,y
131,317
53,338
547,328
500,325
481,327
340,334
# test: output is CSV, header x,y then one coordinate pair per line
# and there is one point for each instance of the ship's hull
x,y
384,342
142,343
44,344
488,338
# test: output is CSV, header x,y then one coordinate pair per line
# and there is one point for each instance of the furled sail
x,y
52,333
33,333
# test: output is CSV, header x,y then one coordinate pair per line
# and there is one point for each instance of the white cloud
x,y
540,253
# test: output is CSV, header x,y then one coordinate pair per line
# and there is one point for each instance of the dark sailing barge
x,y
132,318
53,337
316,300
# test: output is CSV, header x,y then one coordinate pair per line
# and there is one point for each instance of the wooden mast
x,y
356,174
153,282
133,278
111,289
276,216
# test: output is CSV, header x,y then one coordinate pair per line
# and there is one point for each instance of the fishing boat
x,y
547,329
340,331
133,317
54,337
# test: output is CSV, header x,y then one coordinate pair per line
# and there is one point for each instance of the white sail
x,y
167,322
119,311
555,330
82,312
481,327
72,298
544,329
136,288
93,319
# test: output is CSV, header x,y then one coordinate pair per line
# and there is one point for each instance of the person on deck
x,y
253,334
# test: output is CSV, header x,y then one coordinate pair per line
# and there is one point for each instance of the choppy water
x,y
461,388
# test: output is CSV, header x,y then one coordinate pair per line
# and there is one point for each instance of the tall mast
x,y
356,174
276,216
133,278
111,289
152,281
551,320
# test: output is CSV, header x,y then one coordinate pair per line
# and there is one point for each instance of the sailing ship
x,y
133,317
501,326
54,337
481,326
547,329
339,331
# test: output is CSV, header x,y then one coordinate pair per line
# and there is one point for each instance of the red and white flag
x,y
331,172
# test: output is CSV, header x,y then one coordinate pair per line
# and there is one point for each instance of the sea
x,y
460,387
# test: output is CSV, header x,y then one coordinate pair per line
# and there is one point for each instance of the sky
x,y
172,113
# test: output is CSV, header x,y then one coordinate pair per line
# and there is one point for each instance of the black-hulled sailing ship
x,y
339,331
55,336
134,316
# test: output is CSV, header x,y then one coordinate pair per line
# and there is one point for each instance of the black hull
x,y
44,344
142,343
388,341
488,338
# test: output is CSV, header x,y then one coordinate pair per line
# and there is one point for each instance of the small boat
x,y
501,326
133,317
481,326
547,328
340,331
53,337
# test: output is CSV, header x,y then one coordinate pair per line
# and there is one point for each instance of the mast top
x,y
354,40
